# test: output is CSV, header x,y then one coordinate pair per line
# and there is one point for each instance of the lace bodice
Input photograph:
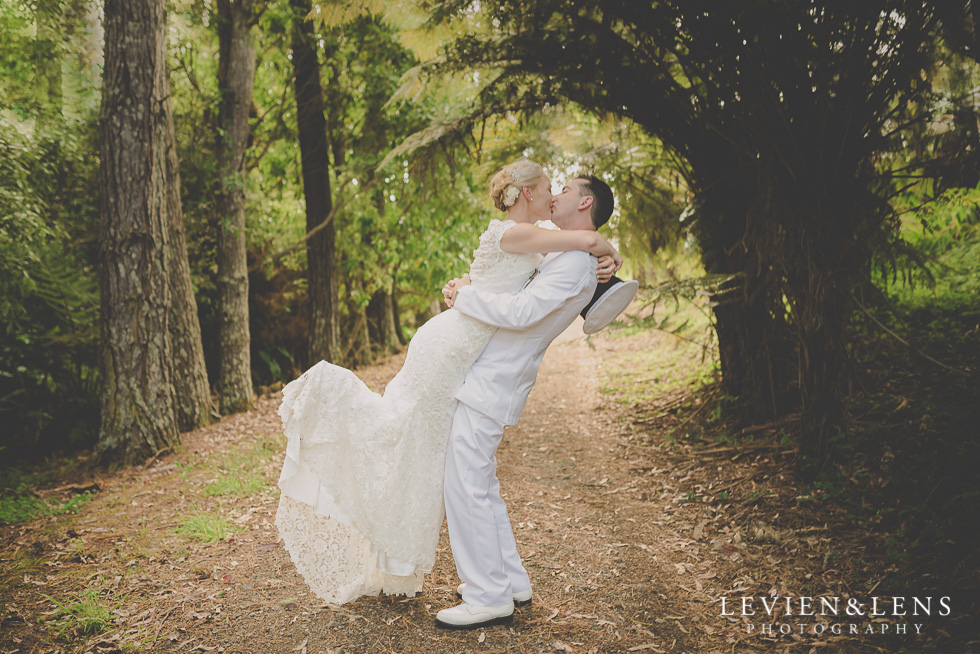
x,y
361,503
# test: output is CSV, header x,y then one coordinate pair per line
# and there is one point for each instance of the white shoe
x,y
471,616
521,598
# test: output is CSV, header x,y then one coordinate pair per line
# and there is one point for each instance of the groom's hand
x,y
450,289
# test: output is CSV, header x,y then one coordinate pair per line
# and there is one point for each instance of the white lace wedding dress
x,y
361,504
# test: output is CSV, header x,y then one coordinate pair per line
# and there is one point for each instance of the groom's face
x,y
568,206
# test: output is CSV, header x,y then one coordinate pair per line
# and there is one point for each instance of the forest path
x,y
602,559
616,562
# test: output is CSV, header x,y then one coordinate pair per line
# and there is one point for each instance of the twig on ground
x,y
152,459
657,410
698,410
793,417
741,451
163,621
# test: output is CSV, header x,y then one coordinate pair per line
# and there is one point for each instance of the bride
x,y
362,500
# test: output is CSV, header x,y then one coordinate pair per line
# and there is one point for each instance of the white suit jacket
x,y
498,382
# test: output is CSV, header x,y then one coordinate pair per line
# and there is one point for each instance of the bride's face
x,y
540,199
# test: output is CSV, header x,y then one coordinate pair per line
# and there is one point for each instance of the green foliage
x,y
278,363
16,25
42,41
49,94
688,497
390,233
24,234
922,413
947,234
648,221
21,497
241,471
407,222
391,221
48,294
73,505
776,134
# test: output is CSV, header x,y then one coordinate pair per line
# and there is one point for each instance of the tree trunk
x,y
192,391
380,310
822,362
236,73
751,338
193,394
138,413
821,266
324,336
396,316
381,321
360,352
746,356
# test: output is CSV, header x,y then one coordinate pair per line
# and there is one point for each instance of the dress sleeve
x,y
496,230
488,254
562,279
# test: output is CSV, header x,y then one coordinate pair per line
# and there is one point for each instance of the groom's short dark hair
x,y
602,199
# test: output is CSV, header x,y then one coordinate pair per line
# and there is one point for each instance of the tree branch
x,y
906,343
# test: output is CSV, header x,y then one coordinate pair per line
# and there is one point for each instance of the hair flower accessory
x,y
510,195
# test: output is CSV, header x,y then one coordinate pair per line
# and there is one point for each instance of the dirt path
x,y
619,561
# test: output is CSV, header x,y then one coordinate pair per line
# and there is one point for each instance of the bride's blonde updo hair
x,y
506,185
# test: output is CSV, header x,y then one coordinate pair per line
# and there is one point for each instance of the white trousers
x,y
480,534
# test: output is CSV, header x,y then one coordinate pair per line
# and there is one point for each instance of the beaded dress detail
x,y
361,504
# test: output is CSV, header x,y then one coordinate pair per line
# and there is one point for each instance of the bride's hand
x,y
607,267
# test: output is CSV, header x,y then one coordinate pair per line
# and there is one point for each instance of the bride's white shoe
x,y
471,616
521,597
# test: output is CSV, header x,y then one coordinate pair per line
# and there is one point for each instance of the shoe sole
x,y
507,619
517,603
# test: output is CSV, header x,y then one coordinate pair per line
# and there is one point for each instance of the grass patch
x,y
206,528
662,382
687,359
241,471
641,376
13,571
17,508
21,507
87,613
239,485
19,500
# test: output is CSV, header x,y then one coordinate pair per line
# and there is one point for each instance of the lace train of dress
x,y
361,504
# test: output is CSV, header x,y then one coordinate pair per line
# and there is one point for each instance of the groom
x,y
493,396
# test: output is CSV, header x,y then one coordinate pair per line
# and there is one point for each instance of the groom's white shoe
x,y
521,597
471,616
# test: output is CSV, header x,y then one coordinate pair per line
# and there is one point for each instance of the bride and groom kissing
x,y
367,478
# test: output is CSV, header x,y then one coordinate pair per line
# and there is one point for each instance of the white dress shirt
x,y
499,381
